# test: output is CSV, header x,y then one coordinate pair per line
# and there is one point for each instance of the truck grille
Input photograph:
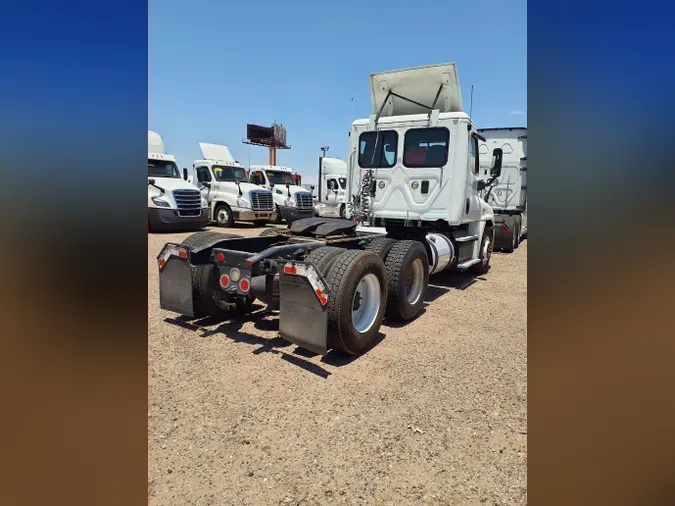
x,y
187,199
304,200
261,200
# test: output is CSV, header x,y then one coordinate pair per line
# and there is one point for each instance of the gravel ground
x,y
435,413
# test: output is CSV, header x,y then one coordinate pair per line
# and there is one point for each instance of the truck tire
x,y
224,216
342,212
509,238
382,246
518,223
277,218
205,279
407,267
357,300
324,258
485,253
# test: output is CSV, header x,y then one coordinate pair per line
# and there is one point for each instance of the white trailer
x,y
508,194
332,281
224,184
332,194
173,203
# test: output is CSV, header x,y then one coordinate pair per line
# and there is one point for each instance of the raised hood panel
x,y
155,143
216,152
333,166
420,84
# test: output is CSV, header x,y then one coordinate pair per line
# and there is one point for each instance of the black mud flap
x,y
175,286
302,320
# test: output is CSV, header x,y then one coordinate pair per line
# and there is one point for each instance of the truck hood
x,y
292,188
170,184
247,187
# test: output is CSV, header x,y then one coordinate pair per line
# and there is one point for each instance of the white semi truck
x,y
508,194
332,281
332,196
225,186
292,202
173,203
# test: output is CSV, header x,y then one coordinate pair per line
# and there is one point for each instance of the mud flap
x,y
303,320
175,286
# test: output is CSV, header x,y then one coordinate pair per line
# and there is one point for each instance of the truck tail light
x,y
244,285
224,281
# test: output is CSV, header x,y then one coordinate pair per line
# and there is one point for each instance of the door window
x,y
332,184
203,175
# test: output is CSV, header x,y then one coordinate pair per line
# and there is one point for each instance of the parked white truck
x,y
172,202
508,194
332,196
332,281
292,202
225,186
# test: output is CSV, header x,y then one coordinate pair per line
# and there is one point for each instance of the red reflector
x,y
318,292
182,253
323,300
244,285
224,280
505,228
289,269
249,263
220,257
161,263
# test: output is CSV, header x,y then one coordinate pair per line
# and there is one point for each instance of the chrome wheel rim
x,y
415,281
222,216
366,303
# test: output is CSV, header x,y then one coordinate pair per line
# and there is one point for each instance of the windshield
x,y
343,182
230,173
158,168
280,177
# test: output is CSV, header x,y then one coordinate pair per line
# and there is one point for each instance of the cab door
x,y
205,183
332,189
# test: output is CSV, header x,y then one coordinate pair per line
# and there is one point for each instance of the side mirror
x,y
496,169
481,184
151,181
184,173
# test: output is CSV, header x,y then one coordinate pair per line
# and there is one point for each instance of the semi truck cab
x,y
292,202
332,187
172,202
225,186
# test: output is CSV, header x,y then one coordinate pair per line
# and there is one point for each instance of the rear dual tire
x,y
357,299
407,267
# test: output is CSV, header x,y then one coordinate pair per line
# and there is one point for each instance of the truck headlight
x,y
289,203
159,202
204,203
243,203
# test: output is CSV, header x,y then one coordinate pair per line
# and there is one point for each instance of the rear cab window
x,y
426,147
378,149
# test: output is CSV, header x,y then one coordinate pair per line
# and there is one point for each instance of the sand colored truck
x,y
331,280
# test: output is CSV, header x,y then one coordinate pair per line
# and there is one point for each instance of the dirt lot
x,y
435,413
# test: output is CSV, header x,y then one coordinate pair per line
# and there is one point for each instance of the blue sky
x,y
216,65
